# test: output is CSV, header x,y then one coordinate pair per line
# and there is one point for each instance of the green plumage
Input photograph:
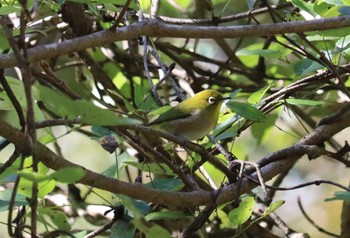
x,y
192,118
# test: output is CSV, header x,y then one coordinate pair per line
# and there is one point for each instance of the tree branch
x,y
181,199
157,28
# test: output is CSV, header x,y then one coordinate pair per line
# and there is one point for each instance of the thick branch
x,y
181,199
157,28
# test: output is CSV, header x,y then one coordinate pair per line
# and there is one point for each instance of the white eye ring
x,y
211,100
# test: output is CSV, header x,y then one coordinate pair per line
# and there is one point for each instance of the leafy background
x,y
108,85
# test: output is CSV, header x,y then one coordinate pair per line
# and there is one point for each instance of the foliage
x,y
71,70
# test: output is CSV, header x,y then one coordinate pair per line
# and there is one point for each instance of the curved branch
x,y
183,199
158,28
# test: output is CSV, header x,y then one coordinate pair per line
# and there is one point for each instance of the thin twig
x,y
228,156
13,198
165,71
321,229
145,61
13,99
120,16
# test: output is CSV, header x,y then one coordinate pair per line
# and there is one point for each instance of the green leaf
x,y
343,42
101,131
229,133
68,175
33,177
156,168
335,2
305,66
4,44
5,10
122,228
80,234
143,98
345,10
91,114
159,111
166,215
273,207
165,184
151,230
242,213
45,187
295,101
255,97
246,110
302,5
339,195
326,10
261,131
5,198
261,52
58,218
85,110
47,138
137,207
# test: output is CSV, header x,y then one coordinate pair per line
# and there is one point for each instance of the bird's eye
x,y
211,100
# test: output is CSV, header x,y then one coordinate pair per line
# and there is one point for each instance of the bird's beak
x,y
226,98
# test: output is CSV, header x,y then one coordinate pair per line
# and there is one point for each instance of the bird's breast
x,y
193,127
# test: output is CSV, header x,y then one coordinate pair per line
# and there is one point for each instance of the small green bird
x,y
193,118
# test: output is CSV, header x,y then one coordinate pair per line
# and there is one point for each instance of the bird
x,y
192,118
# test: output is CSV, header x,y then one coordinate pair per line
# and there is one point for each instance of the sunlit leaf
x,y
26,187
46,187
47,138
307,7
273,207
34,177
258,95
343,42
242,213
246,110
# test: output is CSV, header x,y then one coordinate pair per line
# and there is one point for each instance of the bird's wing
x,y
172,114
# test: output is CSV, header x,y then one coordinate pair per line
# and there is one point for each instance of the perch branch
x,y
182,199
158,28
